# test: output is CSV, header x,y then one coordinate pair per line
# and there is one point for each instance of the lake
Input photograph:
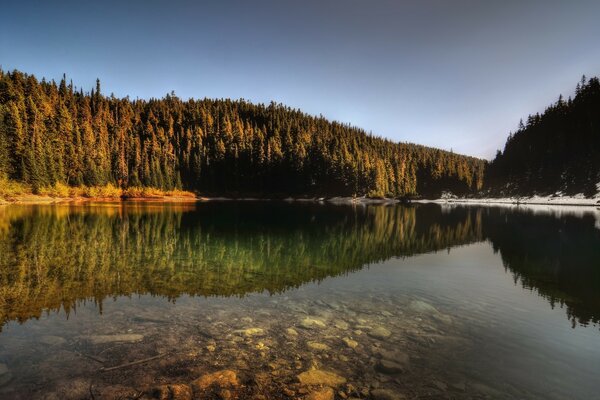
x,y
269,300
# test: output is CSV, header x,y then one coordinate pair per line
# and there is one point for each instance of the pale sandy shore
x,y
576,201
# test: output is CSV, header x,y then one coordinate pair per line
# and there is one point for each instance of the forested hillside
x,y
557,151
52,133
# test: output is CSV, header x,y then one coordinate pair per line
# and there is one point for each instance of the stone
x,y
261,346
397,356
318,346
51,340
323,394
224,378
127,337
446,319
379,332
422,307
161,393
350,343
252,332
389,367
291,332
114,392
386,394
312,323
459,386
341,324
320,377
176,391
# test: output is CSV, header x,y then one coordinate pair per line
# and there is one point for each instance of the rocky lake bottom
x,y
382,347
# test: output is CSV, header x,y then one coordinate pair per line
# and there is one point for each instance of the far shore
x,y
32,199
578,201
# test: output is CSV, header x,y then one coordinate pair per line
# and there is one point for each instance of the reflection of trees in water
x,y
559,258
54,256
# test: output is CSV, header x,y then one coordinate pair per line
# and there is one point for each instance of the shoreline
x,y
561,201
41,200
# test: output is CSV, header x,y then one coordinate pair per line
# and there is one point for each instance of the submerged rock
x,y
397,356
341,324
51,340
420,306
379,332
318,346
389,367
323,394
173,392
350,343
312,323
127,337
252,332
223,379
320,377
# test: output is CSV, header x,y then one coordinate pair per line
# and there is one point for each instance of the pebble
x,y
422,307
379,332
341,324
350,343
389,367
291,332
318,346
252,332
223,378
127,337
51,340
320,377
312,323
323,394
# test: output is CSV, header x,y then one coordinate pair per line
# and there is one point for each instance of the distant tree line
x,y
53,133
558,150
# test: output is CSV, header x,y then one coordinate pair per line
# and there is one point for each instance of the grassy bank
x,y
16,192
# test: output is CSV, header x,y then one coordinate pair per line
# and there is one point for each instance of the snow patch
x,y
557,206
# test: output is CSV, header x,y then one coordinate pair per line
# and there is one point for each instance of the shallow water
x,y
379,302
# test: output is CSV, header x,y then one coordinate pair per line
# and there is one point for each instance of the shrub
x,y
10,189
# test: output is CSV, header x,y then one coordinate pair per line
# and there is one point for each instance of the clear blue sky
x,y
447,73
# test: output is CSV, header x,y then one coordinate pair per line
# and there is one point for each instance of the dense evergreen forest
x,y
52,133
557,151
